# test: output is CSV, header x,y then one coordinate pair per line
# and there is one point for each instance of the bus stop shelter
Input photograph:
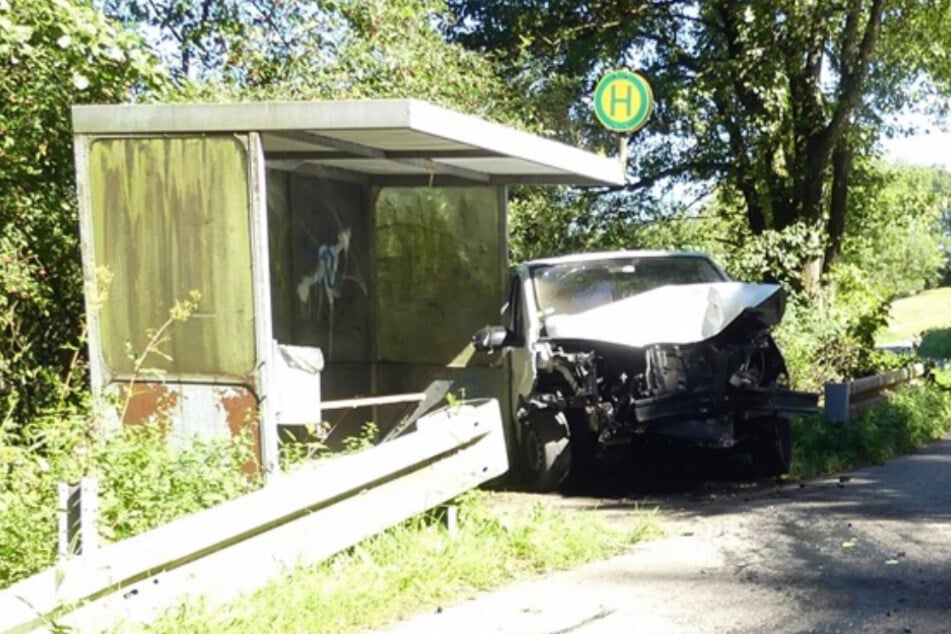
x,y
340,249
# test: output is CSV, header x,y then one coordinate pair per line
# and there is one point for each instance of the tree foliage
x,y
52,53
767,101
316,49
774,105
229,42
894,238
893,245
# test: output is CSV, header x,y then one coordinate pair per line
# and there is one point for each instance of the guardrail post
x,y
837,402
78,518
452,520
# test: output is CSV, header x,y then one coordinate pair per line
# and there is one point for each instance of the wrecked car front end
x,y
615,349
693,363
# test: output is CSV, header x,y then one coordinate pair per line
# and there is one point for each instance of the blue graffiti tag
x,y
328,258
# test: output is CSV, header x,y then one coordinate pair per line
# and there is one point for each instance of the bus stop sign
x,y
623,101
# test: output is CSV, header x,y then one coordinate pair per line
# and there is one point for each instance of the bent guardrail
x,y
300,518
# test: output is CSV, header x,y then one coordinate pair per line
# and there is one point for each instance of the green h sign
x,y
623,101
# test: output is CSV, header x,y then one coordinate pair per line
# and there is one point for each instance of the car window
x,y
574,287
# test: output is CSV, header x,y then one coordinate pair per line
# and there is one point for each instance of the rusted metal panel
x,y
187,411
242,414
142,402
171,216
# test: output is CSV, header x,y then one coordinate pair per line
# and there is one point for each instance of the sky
x,y
921,149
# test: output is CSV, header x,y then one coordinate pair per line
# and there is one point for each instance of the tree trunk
x,y
754,213
835,226
812,267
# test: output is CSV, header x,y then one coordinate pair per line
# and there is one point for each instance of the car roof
x,y
607,255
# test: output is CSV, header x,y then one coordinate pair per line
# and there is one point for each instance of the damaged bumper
x,y
694,363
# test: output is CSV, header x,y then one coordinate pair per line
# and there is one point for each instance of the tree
x,y
52,53
201,32
767,100
230,42
893,238
316,49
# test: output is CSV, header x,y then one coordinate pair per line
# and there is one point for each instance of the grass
x,y
911,316
943,378
414,567
912,417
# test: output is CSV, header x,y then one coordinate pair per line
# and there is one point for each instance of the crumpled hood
x,y
672,314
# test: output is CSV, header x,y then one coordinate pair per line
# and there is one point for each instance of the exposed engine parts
x,y
617,392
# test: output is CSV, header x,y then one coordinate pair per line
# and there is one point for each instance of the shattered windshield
x,y
573,287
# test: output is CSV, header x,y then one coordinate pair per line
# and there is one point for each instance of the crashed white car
x,y
609,349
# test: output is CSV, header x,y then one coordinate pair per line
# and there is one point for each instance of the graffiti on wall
x,y
323,285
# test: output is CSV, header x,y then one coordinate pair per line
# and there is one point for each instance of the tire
x,y
546,450
772,447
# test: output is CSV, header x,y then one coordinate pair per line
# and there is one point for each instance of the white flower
x,y
115,54
80,82
64,41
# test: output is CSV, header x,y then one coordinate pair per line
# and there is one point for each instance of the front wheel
x,y
546,450
772,447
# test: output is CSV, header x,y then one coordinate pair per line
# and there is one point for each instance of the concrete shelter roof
x,y
390,141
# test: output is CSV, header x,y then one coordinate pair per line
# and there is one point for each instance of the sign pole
x,y
623,102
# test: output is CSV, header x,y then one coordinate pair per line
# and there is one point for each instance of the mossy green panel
x,y
171,215
439,270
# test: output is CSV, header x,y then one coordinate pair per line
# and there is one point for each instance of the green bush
x,y
935,344
144,481
53,53
825,338
913,416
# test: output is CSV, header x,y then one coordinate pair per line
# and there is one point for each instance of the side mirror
x,y
490,338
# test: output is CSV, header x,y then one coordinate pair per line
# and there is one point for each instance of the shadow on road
x,y
917,486
644,471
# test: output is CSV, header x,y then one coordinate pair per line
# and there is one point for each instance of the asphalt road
x,y
869,553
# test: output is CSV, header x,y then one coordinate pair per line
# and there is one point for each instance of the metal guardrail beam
x,y
302,517
847,399
878,381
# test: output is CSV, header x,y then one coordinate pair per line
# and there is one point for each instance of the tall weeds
x,y
144,480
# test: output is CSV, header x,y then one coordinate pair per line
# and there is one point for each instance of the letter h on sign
x,y
627,101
